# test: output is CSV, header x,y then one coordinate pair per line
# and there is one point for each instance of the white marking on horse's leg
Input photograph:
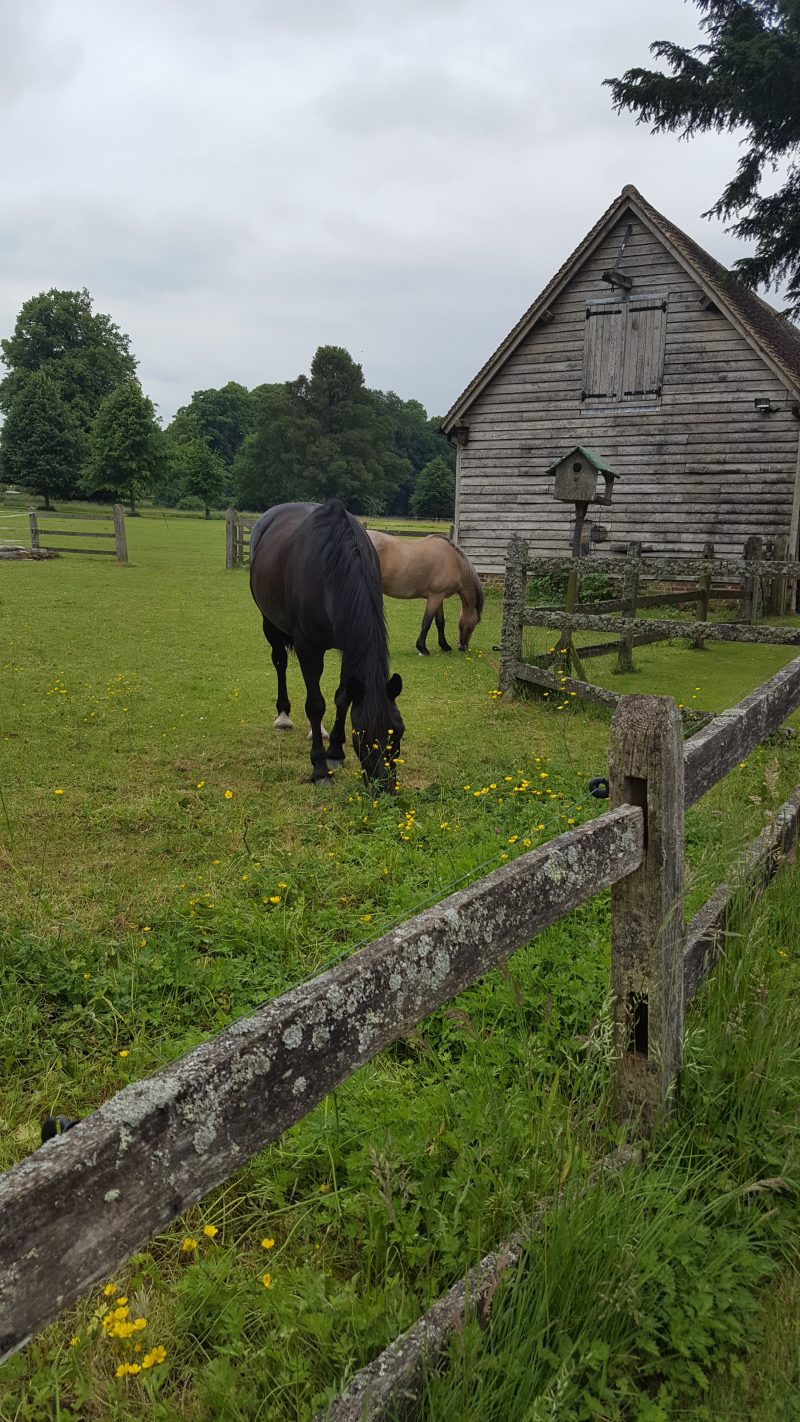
x,y
282,722
322,728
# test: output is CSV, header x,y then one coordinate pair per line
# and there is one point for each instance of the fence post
x,y
34,523
514,588
703,599
630,594
229,538
778,585
647,924
120,538
751,582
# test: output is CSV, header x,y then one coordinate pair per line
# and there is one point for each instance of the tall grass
x,y
647,1298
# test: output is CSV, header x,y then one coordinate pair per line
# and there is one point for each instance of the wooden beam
x,y
705,937
654,629
726,740
90,1198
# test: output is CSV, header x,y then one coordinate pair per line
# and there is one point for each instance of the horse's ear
x,y
394,686
355,689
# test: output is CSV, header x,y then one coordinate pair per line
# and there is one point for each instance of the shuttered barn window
x,y
623,362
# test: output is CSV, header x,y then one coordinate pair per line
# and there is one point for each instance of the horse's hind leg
x,y
336,741
443,642
432,606
280,657
311,663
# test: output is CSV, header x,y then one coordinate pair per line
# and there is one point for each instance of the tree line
x,y
77,424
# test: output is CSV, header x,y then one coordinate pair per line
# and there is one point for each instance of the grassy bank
x,y
165,869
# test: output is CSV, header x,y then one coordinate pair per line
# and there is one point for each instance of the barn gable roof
x,y
773,336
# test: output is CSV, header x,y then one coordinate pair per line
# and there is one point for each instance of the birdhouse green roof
x,y
599,464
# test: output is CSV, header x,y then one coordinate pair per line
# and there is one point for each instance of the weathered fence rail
x,y
93,1196
760,582
237,539
117,517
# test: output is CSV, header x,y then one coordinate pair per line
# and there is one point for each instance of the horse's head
x,y
472,605
471,609
377,732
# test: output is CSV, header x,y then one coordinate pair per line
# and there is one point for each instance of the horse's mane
x,y
355,604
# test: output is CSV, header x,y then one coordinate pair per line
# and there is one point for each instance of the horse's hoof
x,y
423,652
283,723
445,649
322,729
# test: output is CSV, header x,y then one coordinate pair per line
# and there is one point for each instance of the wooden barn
x,y
643,350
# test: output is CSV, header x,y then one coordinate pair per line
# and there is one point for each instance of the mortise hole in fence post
x,y
647,926
516,582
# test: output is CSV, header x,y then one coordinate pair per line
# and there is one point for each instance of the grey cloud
x,y
236,185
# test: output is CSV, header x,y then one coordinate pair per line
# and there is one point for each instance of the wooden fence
x,y
237,539
92,1197
117,517
753,581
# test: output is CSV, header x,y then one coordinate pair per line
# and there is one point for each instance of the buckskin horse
x,y
315,578
433,568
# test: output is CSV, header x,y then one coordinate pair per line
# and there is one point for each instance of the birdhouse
x,y
576,478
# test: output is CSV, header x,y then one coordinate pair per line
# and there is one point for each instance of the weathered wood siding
x,y
704,467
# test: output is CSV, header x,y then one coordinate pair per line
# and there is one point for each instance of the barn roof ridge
x,y
773,335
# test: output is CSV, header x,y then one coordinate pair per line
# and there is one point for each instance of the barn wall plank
x,y
704,466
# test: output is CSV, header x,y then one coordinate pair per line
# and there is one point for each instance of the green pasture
x,y
165,866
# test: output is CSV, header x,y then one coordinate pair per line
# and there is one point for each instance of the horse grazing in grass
x,y
433,568
315,578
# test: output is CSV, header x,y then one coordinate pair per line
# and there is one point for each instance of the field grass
x,y
165,867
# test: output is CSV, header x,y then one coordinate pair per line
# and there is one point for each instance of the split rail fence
x,y
95,1195
754,581
237,537
117,517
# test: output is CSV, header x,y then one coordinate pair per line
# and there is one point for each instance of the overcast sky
x,y
237,183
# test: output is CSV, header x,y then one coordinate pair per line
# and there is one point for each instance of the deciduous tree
x,y
434,495
40,444
84,353
202,474
125,444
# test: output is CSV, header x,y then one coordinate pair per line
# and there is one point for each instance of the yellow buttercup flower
x,y
268,1243
189,1244
266,1280
228,794
210,1231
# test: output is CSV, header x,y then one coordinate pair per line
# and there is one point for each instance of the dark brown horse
x,y
315,578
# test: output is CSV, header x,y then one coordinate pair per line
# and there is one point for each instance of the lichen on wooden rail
x,y
93,1196
726,740
655,568
662,628
751,871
